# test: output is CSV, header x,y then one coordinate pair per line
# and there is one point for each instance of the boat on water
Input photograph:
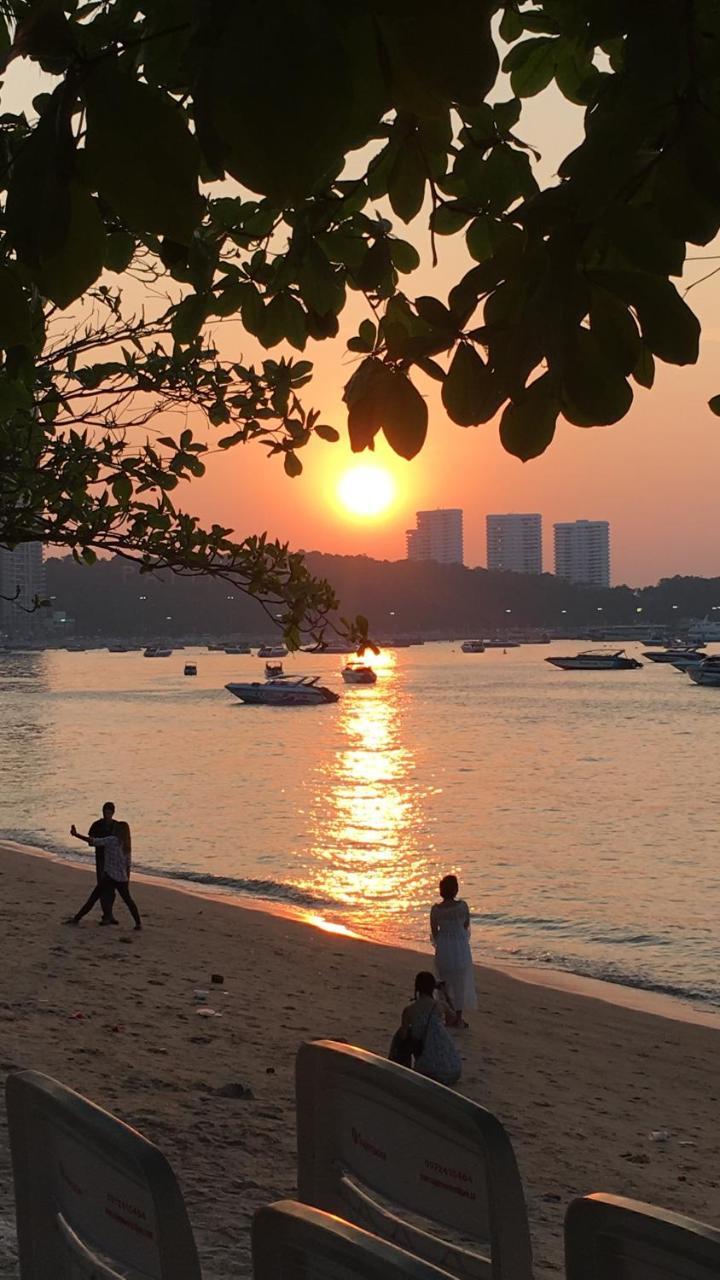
x,y
274,670
687,660
155,651
303,691
502,644
118,648
472,646
707,671
190,669
236,649
684,655
596,660
359,673
331,646
272,651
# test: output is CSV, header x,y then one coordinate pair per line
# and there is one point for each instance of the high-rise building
x,y
514,543
22,579
582,552
438,536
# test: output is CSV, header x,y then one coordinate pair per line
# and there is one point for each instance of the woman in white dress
x,y
450,927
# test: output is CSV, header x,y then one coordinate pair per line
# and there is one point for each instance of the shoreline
x,y
635,999
134,1022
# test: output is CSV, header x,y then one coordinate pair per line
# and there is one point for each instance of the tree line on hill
x,y
400,598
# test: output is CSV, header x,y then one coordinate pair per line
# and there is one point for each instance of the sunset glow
x,y
366,491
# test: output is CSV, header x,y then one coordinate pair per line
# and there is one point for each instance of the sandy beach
x,y
579,1082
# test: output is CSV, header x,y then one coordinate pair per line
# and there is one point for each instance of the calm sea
x,y
580,810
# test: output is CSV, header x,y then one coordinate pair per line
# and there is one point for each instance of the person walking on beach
x,y
117,852
421,1026
104,826
450,928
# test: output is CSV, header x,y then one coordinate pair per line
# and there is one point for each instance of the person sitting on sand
x,y
450,928
116,869
435,1054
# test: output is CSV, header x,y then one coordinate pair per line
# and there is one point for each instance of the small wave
x,y
272,889
697,992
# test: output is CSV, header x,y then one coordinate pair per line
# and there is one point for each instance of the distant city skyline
x,y
22,580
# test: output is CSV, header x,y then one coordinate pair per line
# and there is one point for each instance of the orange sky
x,y
653,476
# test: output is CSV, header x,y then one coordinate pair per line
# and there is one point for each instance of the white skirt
x,y
453,964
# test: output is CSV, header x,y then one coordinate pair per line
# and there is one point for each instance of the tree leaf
x,y
327,433
404,256
119,250
37,213
644,370
714,405
450,53
669,327
594,390
293,465
470,393
406,186
140,153
486,235
189,318
64,275
531,65
380,397
527,426
15,320
613,326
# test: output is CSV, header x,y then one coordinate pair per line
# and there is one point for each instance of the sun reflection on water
x,y
366,814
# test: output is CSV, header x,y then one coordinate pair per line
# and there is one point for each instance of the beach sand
x,y
579,1082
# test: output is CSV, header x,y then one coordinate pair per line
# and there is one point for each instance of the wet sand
x,y
579,1082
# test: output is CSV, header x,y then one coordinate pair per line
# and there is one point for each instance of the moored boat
x,y
190,669
596,660
273,670
155,651
706,672
272,651
237,649
683,654
302,692
472,646
358,673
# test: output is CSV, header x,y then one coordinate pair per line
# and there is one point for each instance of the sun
x,y
366,491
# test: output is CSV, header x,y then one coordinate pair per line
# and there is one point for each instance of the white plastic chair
x,y
611,1238
94,1200
293,1242
370,1131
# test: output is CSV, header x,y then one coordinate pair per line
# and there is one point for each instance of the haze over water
x,y
578,809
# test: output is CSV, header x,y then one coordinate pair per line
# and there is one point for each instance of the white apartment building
x,y
514,543
22,578
582,552
438,536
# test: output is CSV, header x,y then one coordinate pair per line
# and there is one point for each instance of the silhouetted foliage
x,y
324,122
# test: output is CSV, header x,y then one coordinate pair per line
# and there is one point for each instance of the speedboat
x,y
359,673
502,644
118,648
331,646
236,649
597,660
472,646
685,661
154,651
272,651
683,654
190,669
302,692
707,671
273,670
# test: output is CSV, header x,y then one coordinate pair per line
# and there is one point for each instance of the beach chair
x,y
380,1145
611,1238
293,1242
94,1200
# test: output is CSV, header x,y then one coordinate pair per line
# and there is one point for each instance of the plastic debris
x,y
660,1135
207,1012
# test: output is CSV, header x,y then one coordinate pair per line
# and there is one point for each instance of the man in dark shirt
x,y
104,826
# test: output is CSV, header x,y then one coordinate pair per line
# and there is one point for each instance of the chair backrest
x,y
93,1197
611,1238
293,1242
371,1131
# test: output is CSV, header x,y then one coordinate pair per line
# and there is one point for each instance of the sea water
x,y
579,809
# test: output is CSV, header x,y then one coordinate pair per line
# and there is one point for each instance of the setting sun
x,y
366,491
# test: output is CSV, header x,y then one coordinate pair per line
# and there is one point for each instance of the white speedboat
x,y
272,651
472,646
596,660
686,654
707,671
154,651
302,692
359,673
